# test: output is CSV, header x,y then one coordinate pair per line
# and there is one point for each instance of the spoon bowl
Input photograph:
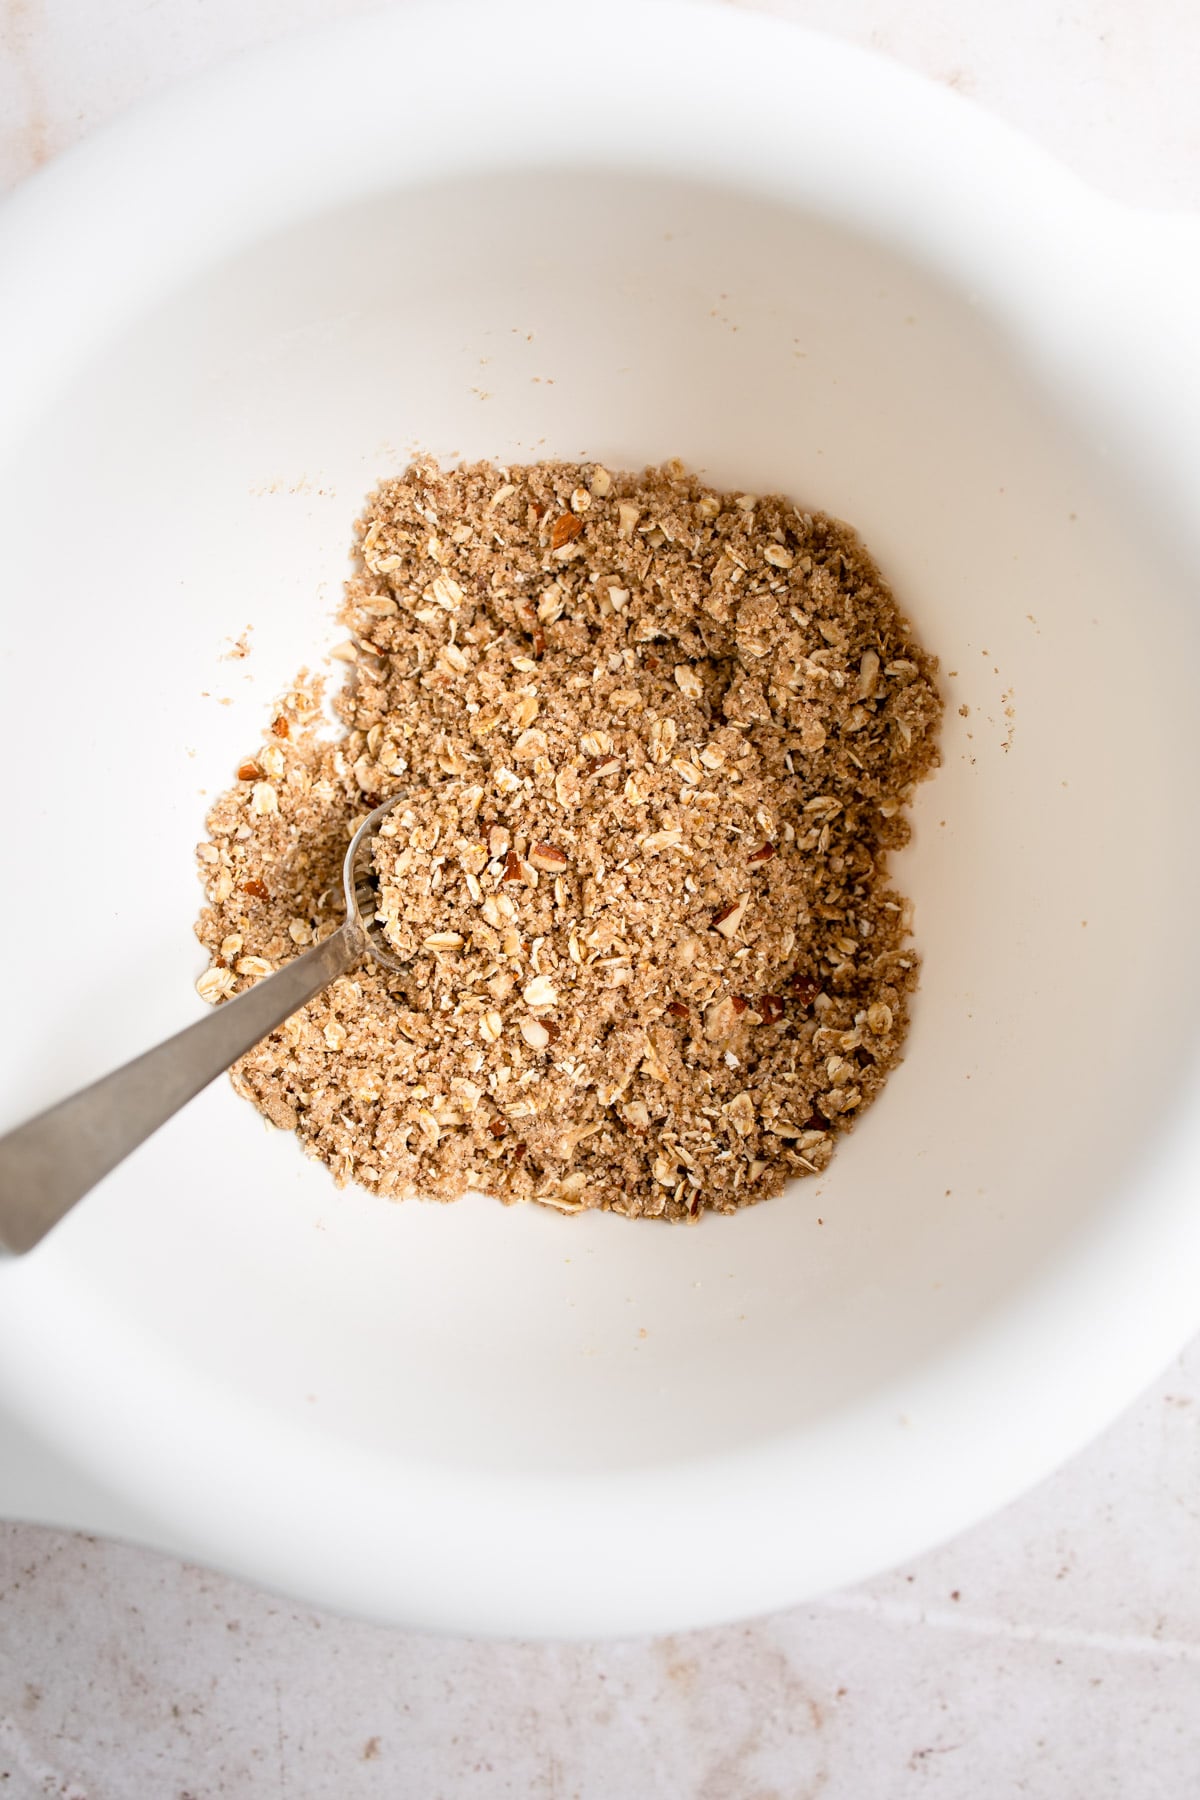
x,y
359,891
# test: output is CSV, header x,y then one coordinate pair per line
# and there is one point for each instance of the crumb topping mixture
x,y
656,743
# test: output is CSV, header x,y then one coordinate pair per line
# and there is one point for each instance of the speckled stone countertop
x,y
1053,1652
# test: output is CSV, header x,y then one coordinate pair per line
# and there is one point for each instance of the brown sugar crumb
x,y
656,743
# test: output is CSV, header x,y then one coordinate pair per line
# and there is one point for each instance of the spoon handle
x,y
50,1162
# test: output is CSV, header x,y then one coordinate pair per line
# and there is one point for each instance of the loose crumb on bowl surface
x,y
656,743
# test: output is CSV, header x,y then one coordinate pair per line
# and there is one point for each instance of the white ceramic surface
x,y
221,322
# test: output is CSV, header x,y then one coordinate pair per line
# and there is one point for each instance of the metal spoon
x,y
52,1161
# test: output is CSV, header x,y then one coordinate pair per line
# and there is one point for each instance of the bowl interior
x,y
197,481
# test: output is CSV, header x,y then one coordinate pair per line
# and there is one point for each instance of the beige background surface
x,y
1053,1652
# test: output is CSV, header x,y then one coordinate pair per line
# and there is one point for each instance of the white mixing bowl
x,y
624,234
